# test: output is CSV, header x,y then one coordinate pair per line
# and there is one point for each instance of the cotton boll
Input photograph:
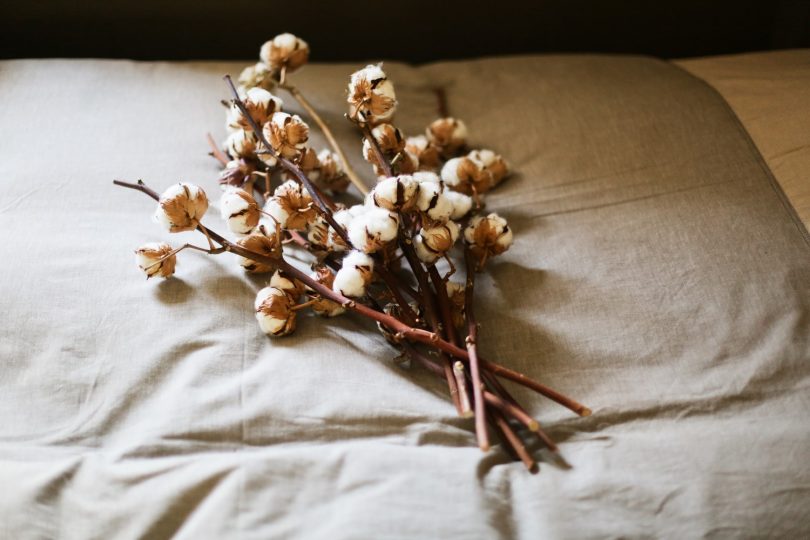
x,y
425,255
487,236
292,206
371,96
259,103
309,164
274,312
357,210
285,51
349,283
257,75
291,286
156,259
235,173
239,210
241,144
318,232
232,120
450,172
355,275
287,134
482,157
372,230
407,163
432,243
426,154
493,164
397,194
428,176
462,204
335,242
332,176
391,143
323,306
432,202
181,207
448,135
267,158
264,240
440,238
276,210
476,173
361,262
417,142
389,138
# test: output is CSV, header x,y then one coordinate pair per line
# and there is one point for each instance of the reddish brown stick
x,y
472,350
461,382
450,334
515,442
215,151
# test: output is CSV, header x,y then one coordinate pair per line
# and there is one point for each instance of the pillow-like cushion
x,y
657,275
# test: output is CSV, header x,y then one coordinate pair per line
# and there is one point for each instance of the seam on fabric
x,y
775,185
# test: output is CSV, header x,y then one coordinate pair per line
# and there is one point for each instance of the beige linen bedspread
x,y
659,275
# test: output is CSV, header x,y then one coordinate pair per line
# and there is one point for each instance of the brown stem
x,y
452,337
401,285
461,383
505,444
353,177
540,388
472,349
430,312
215,151
510,409
296,237
404,307
444,303
519,414
303,305
457,393
423,360
375,146
515,442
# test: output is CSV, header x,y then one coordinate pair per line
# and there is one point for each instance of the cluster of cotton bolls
x,y
443,148
428,187
287,133
437,183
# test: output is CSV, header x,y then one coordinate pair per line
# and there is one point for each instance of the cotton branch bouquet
x,y
379,259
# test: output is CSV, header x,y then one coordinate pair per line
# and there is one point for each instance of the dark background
x,y
409,30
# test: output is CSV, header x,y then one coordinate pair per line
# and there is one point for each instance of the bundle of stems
x,y
411,305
